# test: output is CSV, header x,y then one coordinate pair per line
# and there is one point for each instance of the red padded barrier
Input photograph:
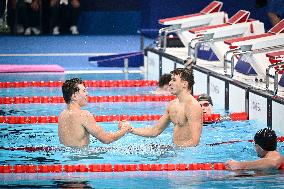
x,y
235,116
88,83
112,168
92,99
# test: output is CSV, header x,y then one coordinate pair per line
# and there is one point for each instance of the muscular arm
x,y
97,131
263,163
154,130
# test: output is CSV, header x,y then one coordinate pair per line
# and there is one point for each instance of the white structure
x,y
210,15
238,25
254,48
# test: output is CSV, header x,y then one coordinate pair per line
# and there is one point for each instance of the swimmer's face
x,y
176,84
206,107
82,95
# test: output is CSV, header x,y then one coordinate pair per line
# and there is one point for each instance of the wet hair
x,y
70,87
266,139
164,80
186,75
205,97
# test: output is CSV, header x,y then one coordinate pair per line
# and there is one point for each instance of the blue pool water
x,y
38,144
61,76
56,91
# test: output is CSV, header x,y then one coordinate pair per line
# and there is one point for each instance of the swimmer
x,y
206,103
76,125
265,141
184,112
163,85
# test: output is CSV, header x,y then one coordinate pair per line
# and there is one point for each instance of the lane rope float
x,y
234,116
88,83
58,168
91,99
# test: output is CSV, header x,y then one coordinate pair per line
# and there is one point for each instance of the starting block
x,y
252,49
238,25
277,62
210,15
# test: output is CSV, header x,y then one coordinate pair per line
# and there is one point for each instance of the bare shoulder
x,y
86,113
172,102
275,155
193,106
62,115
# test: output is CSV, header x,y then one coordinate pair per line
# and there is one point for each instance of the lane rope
x,y
279,139
235,116
54,148
91,99
88,83
58,168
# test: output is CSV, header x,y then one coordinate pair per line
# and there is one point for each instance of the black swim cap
x,y
266,139
205,97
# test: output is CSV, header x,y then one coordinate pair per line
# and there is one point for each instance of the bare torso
x,y
183,126
70,128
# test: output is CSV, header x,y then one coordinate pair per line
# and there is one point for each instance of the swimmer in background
x,y
265,141
76,125
184,112
206,103
163,85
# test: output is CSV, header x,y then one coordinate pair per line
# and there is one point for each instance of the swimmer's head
x,y
70,87
205,97
164,80
206,103
266,139
185,75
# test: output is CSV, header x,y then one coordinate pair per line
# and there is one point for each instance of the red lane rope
x,y
91,99
109,118
58,168
88,83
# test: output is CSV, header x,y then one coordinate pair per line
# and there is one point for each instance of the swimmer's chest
x,y
178,115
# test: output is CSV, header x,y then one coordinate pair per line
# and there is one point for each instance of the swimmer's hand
x,y
188,63
233,165
124,126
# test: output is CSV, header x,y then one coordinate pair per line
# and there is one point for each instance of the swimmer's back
x,y
70,129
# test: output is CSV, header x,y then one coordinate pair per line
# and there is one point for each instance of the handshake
x,y
125,126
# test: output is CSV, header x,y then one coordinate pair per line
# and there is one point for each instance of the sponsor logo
x,y
214,88
256,106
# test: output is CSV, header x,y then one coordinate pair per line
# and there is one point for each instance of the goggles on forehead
x,y
205,104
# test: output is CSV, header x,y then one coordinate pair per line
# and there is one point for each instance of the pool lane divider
x,y
235,116
58,168
88,83
279,139
53,148
91,99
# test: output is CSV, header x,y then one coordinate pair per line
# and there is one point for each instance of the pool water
x,y
38,144
187,179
